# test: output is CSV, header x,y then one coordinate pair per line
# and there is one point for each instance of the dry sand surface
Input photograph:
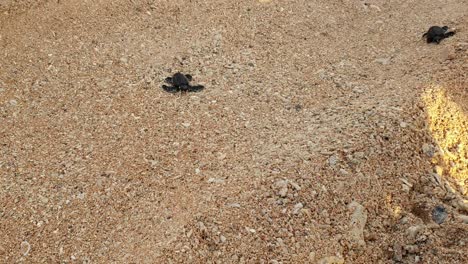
x,y
328,132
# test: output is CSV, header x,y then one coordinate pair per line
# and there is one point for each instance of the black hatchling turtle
x,y
437,34
181,83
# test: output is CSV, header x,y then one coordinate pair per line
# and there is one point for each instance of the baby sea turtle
x,y
437,34
181,83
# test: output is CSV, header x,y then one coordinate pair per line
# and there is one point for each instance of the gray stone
x,y
428,149
439,214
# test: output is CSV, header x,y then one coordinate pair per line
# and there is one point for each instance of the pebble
x,y
462,46
413,231
462,205
251,230
25,248
331,260
403,124
282,185
312,256
397,252
439,214
357,90
463,218
343,172
283,192
412,249
383,61
428,149
234,205
222,239
297,208
213,180
295,186
357,223
13,102
376,8
333,160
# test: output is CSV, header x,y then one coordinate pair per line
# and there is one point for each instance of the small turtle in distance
x,y
181,83
436,34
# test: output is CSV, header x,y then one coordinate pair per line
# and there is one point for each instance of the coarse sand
x,y
327,132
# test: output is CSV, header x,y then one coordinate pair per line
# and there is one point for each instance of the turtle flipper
x,y
449,34
168,80
196,88
170,89
189,77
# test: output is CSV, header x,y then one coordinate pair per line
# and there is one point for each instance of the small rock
x,y
281,184
359,155
251,230
222,238
221,156
283,192
412,249
403,124
358,222
397,252
421,238
383,61
375,7
25,248
295,186
462,205
331,260
357,90
463,218
439,214
413,231
333,160
234,205
428,149
322,74
462,46
312,256
214,180
297,208
13,102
